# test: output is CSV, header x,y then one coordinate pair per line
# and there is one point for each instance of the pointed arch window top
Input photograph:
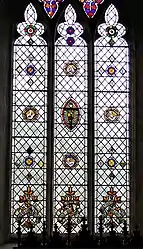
x,y
51,6
70,29
30,28
111,29
90,7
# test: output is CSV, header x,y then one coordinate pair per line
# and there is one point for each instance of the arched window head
x,y
111,123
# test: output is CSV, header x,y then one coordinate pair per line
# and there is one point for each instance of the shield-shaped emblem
x,y
70,114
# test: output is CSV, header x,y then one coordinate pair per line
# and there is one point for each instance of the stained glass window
x,y
70,124
111,122
71,109
29,130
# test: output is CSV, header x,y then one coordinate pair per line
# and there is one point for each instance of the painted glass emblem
x,y
111,115
30,113
71,68
70,160
30,30
70,114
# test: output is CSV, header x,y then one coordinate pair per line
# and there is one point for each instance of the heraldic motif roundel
x,y
70,114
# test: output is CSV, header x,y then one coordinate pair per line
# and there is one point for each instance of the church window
x,y
74,189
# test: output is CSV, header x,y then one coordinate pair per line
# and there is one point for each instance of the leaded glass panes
x,y
111,123
29,128
70,124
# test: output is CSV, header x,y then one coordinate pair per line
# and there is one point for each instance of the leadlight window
x,y
111,122
29,124
70,124
70,139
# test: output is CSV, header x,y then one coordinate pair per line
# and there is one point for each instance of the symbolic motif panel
x,y
29,128
70,124
111,123
90,7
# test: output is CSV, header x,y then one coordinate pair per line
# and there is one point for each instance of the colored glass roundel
x,y
70,41
70,160
30,114
30,70
71,68
111,162
30,30
28,161
111,71
112,115
111,31
70,30
70,114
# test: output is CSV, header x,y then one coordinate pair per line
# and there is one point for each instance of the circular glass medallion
x,y
30,113
71,68
28,161
111,70
111,31
30,70
70,160
111,162
111,115
30,30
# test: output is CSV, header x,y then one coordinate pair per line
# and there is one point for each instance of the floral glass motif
x,y
29,131
70,114
30,113
70,160
71,68
70,207
90,7
111,115
28,211
112,210
51,6
111,122
70,120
